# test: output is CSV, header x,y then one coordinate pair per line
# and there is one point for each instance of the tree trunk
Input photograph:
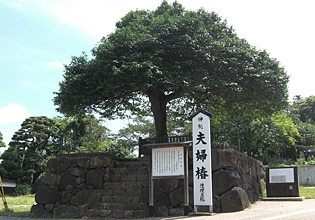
x,y
158,107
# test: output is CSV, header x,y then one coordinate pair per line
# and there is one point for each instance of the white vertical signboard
x,y
202,160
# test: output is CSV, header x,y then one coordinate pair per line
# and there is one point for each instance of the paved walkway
x,y
273,210
269,210
264,210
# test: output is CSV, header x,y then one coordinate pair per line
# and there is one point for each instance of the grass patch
x,y
307,192
21,200
19,206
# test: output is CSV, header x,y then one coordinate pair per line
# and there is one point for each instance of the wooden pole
x,y
186,182
3,197
151,199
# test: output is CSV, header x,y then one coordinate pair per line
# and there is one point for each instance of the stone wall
x,y
99,185
237,179
306,175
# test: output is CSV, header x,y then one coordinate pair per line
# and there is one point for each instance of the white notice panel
x,y
168,161
282,175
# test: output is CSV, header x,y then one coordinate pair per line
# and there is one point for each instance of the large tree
x,y
172,60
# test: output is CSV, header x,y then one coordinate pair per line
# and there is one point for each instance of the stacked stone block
x,y
99,185
93,185
237,179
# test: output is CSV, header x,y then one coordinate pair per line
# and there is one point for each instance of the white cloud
x,y
13,113
54,64
16,4
95,17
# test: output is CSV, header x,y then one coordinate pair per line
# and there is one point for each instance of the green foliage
x,y
10,164
302,112
2,144
30,148
38,183
302,161
128,137
22,189
83,134
274,163
307,134
119,150
72,131
172,60
263,137
304,109
88,135
41,138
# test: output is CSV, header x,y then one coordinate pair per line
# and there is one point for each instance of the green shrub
x,y
38,183
23,189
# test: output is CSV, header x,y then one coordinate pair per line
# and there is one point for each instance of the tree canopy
x,y
172,60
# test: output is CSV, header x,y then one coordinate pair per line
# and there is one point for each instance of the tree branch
x,y
177,94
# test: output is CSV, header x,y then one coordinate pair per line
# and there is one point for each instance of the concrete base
x,y
284,199
193,214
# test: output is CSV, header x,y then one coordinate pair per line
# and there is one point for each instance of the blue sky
x,y
38,36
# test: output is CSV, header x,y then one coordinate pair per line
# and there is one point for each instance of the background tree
x,y
2,144
304,109
30,148
88,135
9,166
307,134
172,60
140,127
73,129
273,134
93,135
302,112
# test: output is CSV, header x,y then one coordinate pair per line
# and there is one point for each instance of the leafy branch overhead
x,y
175,60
